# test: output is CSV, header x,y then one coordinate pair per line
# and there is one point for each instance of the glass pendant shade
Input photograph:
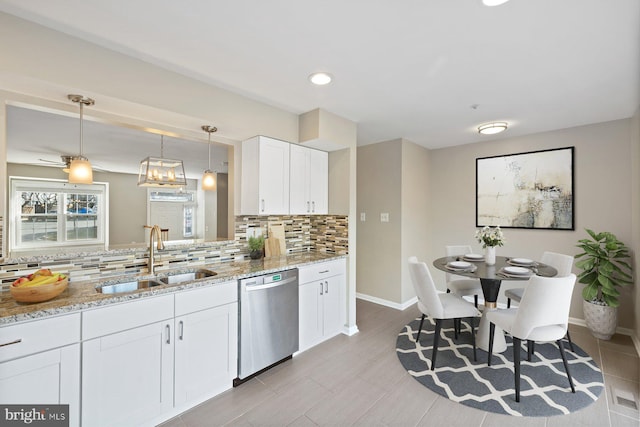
x,y
80,171
209,177
209,181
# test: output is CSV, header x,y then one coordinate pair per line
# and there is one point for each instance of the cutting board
x,y
276,230
271,247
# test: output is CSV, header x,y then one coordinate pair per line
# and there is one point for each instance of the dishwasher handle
x,y
256,287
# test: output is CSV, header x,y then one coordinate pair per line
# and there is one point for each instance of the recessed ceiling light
x,y
320,78
492,128
493,2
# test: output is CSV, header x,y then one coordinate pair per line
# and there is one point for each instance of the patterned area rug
x,y
544,386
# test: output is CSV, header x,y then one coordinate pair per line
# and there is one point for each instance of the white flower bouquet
x,y
490,237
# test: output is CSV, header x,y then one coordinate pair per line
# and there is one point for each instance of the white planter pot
x,y
601,319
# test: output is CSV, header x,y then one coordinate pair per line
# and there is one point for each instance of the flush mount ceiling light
x,y
209,177
320,79
492,128
161,172
80,171
493,2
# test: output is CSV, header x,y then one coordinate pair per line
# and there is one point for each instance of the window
x,y
51,213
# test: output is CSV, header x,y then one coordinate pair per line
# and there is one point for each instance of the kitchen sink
x,y
170,279
187,277
132,285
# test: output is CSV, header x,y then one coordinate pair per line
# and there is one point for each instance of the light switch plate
x,y
384,217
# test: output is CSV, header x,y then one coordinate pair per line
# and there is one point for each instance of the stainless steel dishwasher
x,y
268,331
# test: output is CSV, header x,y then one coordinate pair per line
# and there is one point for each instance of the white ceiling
x,y
40,138
403,69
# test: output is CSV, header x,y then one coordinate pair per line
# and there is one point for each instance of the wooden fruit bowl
x,y
39,293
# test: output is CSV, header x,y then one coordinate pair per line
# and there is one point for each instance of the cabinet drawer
x,y
311,273
38,335
209,297
107,320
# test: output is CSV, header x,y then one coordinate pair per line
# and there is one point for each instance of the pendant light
x,y
161,172
209,177
80,171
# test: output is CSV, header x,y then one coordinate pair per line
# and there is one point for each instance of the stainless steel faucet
x,y
155,230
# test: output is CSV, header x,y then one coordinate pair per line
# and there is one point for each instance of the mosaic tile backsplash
x,y
322,233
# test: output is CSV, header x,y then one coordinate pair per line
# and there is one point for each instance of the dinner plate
x,y
521,261
517,271
458,265
473,257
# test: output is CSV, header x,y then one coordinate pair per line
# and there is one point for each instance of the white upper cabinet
x,y
309,178
264,176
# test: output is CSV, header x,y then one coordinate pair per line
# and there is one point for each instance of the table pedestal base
x,y
482,335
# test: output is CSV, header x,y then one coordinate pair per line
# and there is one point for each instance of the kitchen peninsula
x,y
178,340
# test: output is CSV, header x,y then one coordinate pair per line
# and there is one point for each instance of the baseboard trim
x,y
387,303
350,330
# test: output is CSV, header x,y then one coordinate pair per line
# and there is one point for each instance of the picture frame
x,y
531,190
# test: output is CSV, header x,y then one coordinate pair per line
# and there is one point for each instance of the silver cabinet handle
x,y
308,207
321,289
18,341
262,201
181,323
323,271
313,207
326,287
168,334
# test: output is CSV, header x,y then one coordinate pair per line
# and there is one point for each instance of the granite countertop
x,y
83,295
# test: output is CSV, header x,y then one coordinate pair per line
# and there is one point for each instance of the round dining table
x,y
491,277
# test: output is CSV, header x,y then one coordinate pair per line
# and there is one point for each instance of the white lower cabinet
x,y
127,374
172,355
206,347
40,363
321,302
127,377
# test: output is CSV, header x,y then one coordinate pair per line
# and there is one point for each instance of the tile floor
x,y
359,381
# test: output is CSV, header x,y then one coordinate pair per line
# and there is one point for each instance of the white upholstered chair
x,y
562,263
439,306
460,285
543,315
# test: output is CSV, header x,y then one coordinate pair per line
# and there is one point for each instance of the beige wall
x,y
635,197
603,196
415,211
379,243
392,178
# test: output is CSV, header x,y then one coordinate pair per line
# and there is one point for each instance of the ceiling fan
x,y
66,163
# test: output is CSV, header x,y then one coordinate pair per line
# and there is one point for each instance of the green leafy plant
x,y
605,267
256,243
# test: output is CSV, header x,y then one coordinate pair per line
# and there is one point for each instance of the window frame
x,y
19,184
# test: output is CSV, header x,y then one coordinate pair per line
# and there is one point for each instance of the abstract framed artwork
x,y
526,190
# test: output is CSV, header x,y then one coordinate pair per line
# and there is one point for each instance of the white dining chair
x,y
460,285
543,315
562,263
439,306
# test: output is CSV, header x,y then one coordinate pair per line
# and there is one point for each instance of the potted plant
x,y
256,244
604,268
